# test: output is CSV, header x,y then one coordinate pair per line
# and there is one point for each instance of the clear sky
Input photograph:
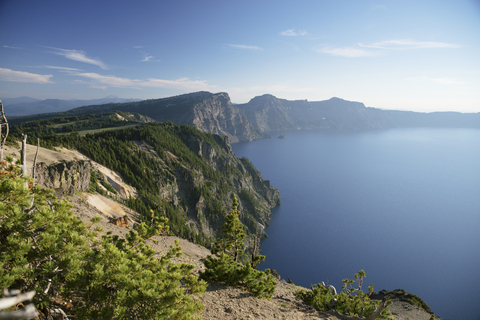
x,y
406,55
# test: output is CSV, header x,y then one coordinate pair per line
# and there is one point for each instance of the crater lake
x,y
401,204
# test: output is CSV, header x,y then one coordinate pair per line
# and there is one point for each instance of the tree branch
x,y
28,312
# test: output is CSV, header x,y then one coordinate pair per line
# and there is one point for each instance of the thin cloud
x,y
293,33
147,58
98,87
347,52
11,47
62,68
401,44
113,81
22,76
436,80
78,55
245,47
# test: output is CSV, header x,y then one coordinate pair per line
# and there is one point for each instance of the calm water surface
x,y
402,204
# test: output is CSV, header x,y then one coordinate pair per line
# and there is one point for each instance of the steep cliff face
x,y
256,196
209,112
268,113
65,177
216,114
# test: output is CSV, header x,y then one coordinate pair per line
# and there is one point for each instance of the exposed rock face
x,y
65,177
209,112
121,222
268,113
217,115
248,180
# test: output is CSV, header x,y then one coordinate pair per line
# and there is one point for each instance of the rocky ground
x,y
220,301
224,302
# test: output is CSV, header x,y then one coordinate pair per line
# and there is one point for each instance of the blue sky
x,y
405,55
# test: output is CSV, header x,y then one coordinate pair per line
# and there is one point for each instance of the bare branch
x,y
4,123
28,312
17,298
64,316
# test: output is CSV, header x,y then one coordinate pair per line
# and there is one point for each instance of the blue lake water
x,y
401,204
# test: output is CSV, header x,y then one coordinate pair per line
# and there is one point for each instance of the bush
x,y
44,247
347,303
223,265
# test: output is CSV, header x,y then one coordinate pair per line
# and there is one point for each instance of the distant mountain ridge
x,y
24,106
209,112
216,114
268,113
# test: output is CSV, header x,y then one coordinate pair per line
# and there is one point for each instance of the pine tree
x,y
44,247
233,235
223,265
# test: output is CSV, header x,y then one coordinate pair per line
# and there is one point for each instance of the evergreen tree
x,y
233,235
44,247
223,265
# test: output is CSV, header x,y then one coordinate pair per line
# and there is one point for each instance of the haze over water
x,y
402,204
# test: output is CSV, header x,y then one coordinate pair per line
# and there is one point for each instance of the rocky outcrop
x,y
218,115
209,112
256,196
65,177
268,113
121,222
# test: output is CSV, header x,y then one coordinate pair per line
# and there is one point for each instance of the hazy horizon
x,y
409,55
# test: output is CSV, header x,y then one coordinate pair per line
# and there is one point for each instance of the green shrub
x,y
44,247
352,301
223,265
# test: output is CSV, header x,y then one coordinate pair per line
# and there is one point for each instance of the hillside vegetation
x,y
47,250
179,172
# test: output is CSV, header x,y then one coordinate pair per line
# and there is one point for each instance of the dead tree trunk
x,y
4,123
24,155
35,161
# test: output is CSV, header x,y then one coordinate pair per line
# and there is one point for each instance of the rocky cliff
x,y
209,112
64,177
216,114
205,195
268,113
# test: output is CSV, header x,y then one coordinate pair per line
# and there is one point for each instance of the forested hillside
x,y
179,172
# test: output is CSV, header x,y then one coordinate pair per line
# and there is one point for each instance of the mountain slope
x,y
178,171
268,113
216,114
209,112
25,106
